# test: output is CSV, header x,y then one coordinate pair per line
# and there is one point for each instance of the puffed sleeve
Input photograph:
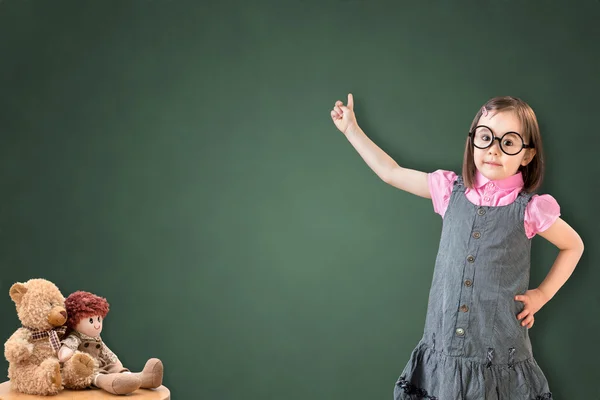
x,y
541,212
72,342
440,186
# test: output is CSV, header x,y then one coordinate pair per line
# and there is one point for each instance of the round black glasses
x,y
511,143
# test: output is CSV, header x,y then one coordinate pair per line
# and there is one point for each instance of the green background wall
x,y
178,158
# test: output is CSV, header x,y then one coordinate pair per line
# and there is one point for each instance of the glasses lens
x,y
511,143
483,137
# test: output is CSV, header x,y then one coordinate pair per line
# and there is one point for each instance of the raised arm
x,y
379,161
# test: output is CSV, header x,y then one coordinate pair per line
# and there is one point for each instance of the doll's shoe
x,y
152,374
118,383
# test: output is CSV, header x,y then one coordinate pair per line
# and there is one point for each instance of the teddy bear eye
x,y
91,320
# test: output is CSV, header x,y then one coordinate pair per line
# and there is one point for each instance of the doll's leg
x,y
152,374
114,368
117,383
43,379
78,371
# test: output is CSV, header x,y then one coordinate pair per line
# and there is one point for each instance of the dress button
x,y
470,259
486,198
468,283
481,211
476,235
464,308
460,331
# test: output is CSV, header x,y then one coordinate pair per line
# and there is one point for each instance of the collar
x,y
83,336
512,182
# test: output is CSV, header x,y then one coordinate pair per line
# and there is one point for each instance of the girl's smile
x,y
493,164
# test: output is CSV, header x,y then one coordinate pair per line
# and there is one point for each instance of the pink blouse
x,y
541,212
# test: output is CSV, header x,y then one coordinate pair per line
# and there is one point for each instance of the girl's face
x,y
91,326
492,162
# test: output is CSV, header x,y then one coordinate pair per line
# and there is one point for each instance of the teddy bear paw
x,y
53,377
83,364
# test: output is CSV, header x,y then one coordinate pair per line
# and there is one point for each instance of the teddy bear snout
x,y
57,316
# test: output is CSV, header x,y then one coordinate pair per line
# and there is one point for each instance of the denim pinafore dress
x,y
473,347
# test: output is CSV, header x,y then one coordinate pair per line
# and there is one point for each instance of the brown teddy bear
x,y
31,351
86,313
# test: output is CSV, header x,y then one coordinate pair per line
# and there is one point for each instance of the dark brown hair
x,y
533,172
81,305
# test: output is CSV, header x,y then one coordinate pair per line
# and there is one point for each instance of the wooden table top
x,y
160,393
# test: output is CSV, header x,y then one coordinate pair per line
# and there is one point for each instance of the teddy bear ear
x,y
17,291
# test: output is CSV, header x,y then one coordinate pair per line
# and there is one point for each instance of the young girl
x,y
476,343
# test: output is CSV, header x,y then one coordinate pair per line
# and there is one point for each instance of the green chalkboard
x,y
178,158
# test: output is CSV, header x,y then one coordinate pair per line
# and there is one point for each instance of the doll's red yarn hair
x,y
81,305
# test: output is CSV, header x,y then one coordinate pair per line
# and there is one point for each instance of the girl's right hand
x,y
343,116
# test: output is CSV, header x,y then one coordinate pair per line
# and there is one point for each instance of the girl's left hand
x,y
533,300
